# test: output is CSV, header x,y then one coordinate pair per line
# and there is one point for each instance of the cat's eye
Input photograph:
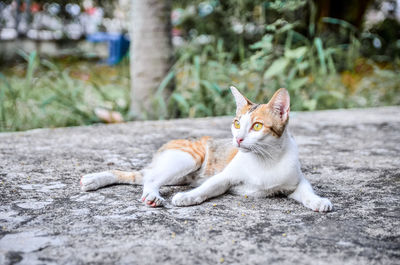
x,y
236,124
257,126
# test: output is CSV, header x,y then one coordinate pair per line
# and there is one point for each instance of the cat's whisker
x,y
261,152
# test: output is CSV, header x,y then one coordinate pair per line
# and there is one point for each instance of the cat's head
x,y
259,124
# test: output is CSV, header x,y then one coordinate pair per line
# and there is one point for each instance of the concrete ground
x,y
349,156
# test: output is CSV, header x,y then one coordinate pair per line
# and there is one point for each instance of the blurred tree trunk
x,y
150,55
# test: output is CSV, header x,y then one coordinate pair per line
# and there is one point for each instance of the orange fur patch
x,y
244,110
127,176
197,149
218,159
271,124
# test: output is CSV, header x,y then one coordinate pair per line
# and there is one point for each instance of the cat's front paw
x,y
152,199
320,205
185,199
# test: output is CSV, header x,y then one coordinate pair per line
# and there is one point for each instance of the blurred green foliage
x,y
258,46
238,23
387,33
321,69
40,93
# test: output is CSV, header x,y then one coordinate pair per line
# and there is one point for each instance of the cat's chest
x,y
265,177
259,179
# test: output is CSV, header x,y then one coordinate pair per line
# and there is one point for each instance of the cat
x,y
260,160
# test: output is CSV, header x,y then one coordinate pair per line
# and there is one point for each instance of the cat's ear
x,y
241,101
280,104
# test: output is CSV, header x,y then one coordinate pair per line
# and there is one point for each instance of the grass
x,y
309,70
65,92
40,93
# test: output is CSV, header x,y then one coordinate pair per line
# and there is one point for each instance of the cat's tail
x,y
95,181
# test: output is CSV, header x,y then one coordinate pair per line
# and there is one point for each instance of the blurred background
x,y
66,63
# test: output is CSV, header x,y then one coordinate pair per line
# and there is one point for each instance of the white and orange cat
x,y
263,160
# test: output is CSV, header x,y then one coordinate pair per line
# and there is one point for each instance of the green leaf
x,y
331,64
296,53
31,66
321,54
50,65
165,82
23,54
298,83
336,94
277,67
214,88
266,43
158,97
286,27
181,101
303,65
310,104
340,22
48,101
2,103
200,107
4,79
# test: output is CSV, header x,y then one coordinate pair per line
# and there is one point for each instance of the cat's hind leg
x,y
305,194
95,181
169,167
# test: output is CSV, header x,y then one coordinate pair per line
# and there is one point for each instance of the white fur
x,y
241,101
170,167
97,180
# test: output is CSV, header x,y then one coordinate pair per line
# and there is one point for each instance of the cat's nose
x,y
239,140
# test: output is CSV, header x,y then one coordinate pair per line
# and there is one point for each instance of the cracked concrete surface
x,y
349,156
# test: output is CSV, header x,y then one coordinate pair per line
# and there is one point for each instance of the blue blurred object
x,y
118,45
